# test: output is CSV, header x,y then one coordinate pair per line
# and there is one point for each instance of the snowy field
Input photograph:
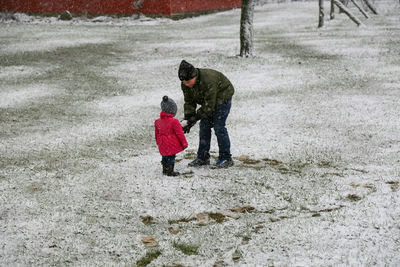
x,y
314,126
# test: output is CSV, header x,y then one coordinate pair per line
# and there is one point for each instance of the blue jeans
x,y
168,159
217,121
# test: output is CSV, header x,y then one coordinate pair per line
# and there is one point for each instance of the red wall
x,y
181,6
160,7
85,6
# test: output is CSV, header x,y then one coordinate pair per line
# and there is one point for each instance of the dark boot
x,y
164,167
169,170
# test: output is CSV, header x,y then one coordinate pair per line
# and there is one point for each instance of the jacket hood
x,y
166,115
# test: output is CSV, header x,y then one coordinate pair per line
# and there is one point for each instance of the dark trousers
x,y
217,121
168,159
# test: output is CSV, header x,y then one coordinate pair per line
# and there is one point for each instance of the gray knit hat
x,y
168,105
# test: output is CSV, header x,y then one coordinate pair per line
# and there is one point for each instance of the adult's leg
x,y
220,116
204,139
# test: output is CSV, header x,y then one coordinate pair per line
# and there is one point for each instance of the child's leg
x,y
170,159
164,164
169,165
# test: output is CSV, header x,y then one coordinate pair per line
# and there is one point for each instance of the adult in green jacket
x,y
208,98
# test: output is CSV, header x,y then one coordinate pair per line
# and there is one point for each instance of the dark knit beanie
x,y
168,105
186,71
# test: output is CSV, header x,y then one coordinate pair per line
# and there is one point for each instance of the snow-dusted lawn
x,y
314,126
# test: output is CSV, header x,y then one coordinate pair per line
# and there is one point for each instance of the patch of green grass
x,y
251,161
190,155
186,249
272,162
262,184
147,220
182,220
288,170
394,185
236,255
218,217
246,238
259,183
325,164
244,209
188,174
148,258
272,219
34,188
353,197
214,157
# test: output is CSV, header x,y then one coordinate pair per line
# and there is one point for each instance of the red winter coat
x,y
169,135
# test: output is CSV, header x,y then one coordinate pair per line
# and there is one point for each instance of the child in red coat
x,y
169,136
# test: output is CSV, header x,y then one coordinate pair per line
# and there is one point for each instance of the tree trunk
x,y
371,6
347,12
137,5
246,28
360,8
321,14
332,15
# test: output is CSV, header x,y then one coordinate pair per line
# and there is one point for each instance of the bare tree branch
x,y
348,12
371,6
360,8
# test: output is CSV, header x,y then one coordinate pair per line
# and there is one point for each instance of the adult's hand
x,y
188,123
186,129
192,120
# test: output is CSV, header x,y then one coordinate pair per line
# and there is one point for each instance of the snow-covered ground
x,y
314,128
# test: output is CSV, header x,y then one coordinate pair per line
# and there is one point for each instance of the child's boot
x,y
164,164
170,170
164,167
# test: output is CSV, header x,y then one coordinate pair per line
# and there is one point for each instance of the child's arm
x,y
179,133
156,132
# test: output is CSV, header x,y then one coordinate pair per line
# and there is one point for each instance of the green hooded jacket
x,y
211,89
